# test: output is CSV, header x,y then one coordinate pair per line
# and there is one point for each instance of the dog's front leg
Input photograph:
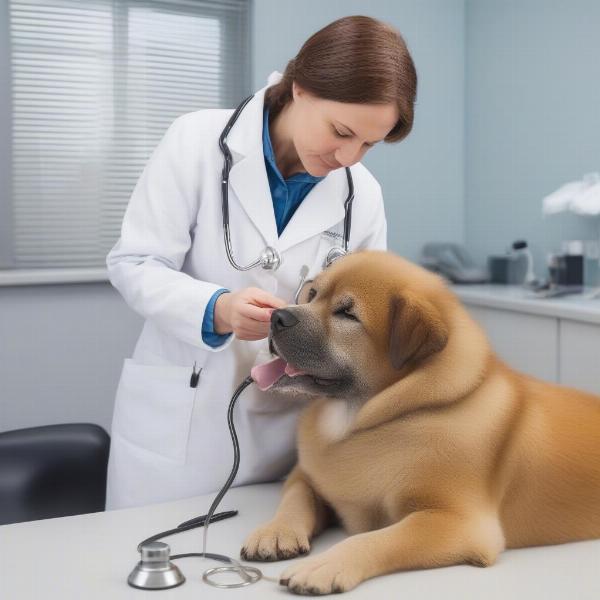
x,y
301,515
423,539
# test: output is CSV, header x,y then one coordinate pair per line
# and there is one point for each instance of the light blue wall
x,y
423,176
532,118
66,342
524,120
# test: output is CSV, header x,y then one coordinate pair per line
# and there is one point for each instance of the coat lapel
x,y
248,179
248,175
322,208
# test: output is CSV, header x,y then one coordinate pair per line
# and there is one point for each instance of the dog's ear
x,y
416,330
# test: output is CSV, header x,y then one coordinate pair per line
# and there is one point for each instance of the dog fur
x,y
419,440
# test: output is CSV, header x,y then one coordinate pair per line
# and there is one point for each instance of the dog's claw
x,y
275,542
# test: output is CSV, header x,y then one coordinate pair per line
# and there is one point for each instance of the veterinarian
x,y
351,86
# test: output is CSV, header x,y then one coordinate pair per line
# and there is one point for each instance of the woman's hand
x,y
246,313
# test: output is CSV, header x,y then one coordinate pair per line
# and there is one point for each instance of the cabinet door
x,y
580,355
528,343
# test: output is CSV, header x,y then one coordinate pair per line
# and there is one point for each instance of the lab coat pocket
x,y
153,408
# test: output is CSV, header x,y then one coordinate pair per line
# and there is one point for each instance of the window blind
x,y
95,85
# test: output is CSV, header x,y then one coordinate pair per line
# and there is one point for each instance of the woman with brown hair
x,y
292,183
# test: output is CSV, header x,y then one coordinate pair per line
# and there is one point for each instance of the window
x,y
93,87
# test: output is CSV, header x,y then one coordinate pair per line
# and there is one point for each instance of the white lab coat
x,y
168,439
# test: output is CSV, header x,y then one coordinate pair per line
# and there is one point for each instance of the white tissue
x,y
581,197
588,201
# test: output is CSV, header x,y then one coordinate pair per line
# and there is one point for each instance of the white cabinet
x,y
579,364
557,340
528,343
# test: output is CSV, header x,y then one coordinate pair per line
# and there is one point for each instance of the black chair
x,y
52,471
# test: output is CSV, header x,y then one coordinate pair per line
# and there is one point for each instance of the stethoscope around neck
x,y
269,258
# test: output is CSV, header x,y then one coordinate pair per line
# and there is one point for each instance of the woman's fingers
x,y
252,333
262,315
264,299
252,337
251,311
245,325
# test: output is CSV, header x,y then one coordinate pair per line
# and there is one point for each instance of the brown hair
x,y
355,59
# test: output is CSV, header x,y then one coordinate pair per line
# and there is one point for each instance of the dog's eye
x,y
311,294
345,312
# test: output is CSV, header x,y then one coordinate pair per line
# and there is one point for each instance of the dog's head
x,y
362,324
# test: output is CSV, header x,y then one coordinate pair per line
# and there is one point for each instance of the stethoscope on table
x,y
269,258
155,571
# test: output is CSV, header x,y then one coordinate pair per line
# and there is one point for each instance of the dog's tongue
x,y
268,373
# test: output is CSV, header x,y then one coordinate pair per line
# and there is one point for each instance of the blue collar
x,y
270,157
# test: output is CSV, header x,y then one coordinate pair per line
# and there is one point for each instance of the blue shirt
x,y
287,195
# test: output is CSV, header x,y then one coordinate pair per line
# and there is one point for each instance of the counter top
x,y
577,307
90,556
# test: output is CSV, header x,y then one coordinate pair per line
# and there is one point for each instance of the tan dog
x,y
428,448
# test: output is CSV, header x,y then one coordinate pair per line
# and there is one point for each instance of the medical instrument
x,y
452,261
269,258
303,274
521,247
155,572
556,291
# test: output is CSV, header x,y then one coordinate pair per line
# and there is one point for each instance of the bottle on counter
x,y
521,246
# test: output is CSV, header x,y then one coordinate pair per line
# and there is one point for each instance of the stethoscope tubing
x,y
228,160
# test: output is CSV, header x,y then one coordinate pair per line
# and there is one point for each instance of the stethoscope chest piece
x,y
335,253
155,571
270,259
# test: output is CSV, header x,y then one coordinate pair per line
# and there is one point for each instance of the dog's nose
x,y
282,319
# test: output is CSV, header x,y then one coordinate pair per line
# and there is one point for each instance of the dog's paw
x,y
275,541
327,573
